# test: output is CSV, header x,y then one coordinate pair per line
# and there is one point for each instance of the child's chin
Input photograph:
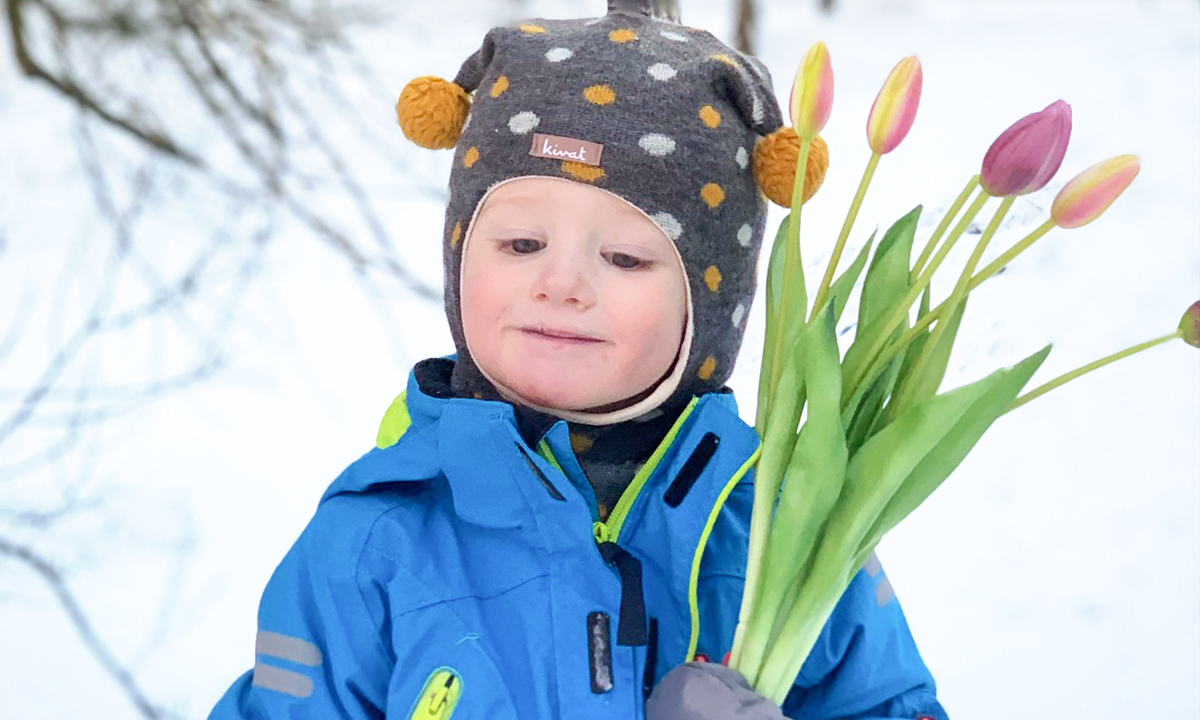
x,y
558,395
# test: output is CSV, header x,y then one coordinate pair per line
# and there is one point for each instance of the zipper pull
x,y
631,628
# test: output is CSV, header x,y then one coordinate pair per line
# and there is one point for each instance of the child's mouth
x,y
562,336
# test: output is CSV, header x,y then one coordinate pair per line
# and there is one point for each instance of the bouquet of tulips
x,y
879,435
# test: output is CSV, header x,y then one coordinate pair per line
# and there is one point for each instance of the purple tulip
x,y
1189,325
1028,153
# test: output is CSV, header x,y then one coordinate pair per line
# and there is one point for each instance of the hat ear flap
x,y
432,111
775,159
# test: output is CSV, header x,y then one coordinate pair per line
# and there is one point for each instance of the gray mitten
x,y
707,691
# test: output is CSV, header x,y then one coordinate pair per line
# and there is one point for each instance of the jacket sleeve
x,y
320,646
865,664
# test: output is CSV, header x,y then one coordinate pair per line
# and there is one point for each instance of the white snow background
x,y
1055,575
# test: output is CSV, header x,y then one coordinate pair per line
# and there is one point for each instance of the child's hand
x,y
707,691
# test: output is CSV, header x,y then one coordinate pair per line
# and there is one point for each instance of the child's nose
x,y
565,280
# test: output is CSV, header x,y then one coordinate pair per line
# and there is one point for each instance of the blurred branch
x,y
667,9
84,627
745,24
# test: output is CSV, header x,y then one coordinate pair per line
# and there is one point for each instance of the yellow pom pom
x,y
432,112
775,158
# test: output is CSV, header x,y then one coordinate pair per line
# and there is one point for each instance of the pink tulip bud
x,y
812,92
1189,325
895,106
1028,153
1090,192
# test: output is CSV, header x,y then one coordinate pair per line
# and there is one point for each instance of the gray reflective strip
x,y
884,593
287,648
872,565
269,677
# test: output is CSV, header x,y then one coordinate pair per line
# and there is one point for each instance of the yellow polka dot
x,y
712,194
477,395
531,28
580,443
600,95
622,36
710,116
471,157
586,173
499,86
708,367
725,59
712,278
456,235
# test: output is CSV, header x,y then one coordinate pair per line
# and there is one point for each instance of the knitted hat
x,y
664,116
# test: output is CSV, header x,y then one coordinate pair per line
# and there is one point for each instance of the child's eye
x,y
627,262
522,246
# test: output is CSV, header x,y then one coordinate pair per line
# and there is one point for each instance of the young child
x,y
555,519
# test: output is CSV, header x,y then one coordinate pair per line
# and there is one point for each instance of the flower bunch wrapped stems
x,y
879,434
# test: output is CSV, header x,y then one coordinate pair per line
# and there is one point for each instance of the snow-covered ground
x,y
1055,575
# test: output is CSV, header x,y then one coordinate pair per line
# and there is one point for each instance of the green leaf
x,y
925,375
886,284
888,278
867,414
775,333
902,464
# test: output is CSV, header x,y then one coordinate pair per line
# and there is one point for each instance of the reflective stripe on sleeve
x,y
285,647
269,677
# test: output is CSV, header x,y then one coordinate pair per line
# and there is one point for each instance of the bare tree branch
x,y
86,631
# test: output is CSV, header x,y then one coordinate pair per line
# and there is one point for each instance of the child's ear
x,y
775,159
432,112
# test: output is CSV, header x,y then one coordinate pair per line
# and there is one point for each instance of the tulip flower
x,y
895,106
812,92
1028,153
1090,193
1189,325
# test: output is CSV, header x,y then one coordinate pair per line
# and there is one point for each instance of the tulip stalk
x,y
839,246
952,213
1095,364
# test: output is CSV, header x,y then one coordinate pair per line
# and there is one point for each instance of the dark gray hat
x,y
664,116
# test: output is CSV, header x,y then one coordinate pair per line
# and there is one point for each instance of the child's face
x,y
571,298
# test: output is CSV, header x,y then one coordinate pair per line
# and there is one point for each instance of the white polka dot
x,y
593,21
743,158
559,54
745,235
657,145
673,36
739,312
467,123
662,72
524,122
669,225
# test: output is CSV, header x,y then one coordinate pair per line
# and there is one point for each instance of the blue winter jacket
x,y
459,572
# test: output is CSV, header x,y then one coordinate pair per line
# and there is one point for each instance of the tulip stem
x,y
874,361
957,297
944,225
851,216
767,490
1011,253
778,316
1077,372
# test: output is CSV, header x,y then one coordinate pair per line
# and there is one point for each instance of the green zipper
x,y
610,530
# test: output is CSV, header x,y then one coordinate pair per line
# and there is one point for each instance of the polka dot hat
x,y
662,115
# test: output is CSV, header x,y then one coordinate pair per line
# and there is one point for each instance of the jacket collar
x,y
454,438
